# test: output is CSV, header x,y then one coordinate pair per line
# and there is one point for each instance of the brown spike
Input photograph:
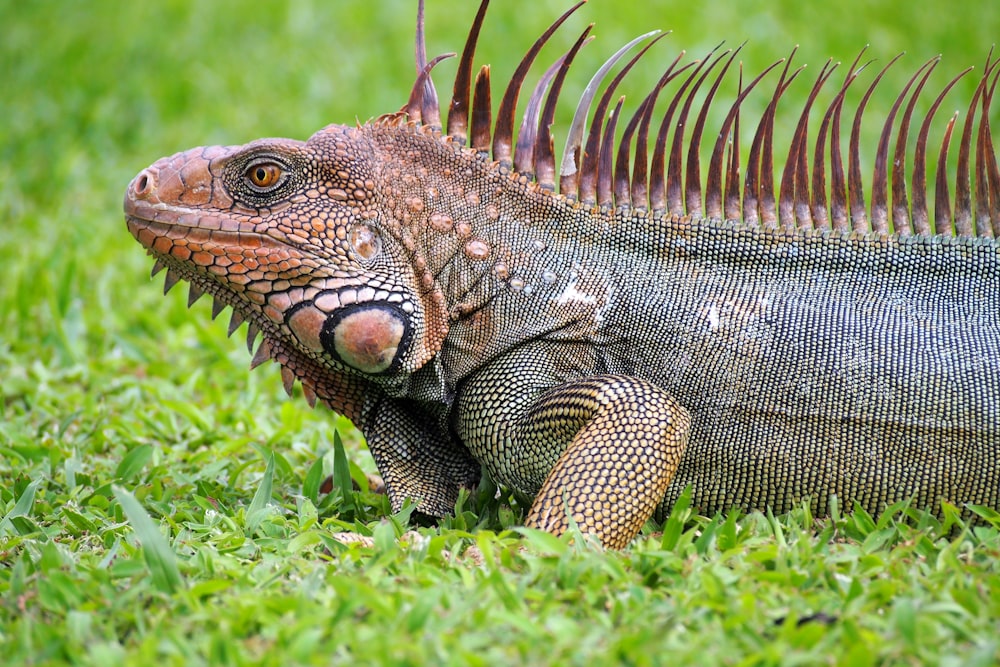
x,y
252,332
675,198
732,200
309,393
900,206
751,185
217,307
855,187
692,189
482,112
918,183
640,178
605,197
158,266
714,183
503,134
758,188
988,184
235,320
287,379
657,176
838,178
171,280
262,354
524,150
569,170
590,160
942,199
963,187
429,111
880,208
545,161
820,214
793,197
418,104
458,112
194,293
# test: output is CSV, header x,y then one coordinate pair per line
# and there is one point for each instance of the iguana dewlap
x,y
602,344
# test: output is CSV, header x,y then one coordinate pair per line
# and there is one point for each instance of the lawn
x,y
159,503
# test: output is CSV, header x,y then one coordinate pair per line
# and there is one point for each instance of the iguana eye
x,y
264,176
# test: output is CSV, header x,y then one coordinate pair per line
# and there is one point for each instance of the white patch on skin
x,y
735,314
572,295
599,313
713,317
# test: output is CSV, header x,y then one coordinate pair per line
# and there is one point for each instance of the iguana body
x,y
603,348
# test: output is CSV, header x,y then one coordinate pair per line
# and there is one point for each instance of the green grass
x,y
159,504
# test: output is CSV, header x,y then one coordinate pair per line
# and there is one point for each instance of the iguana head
x,y
291,235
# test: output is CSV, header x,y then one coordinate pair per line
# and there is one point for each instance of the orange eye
x,y
264,175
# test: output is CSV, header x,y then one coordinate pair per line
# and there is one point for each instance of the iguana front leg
x,y
416,458
600,449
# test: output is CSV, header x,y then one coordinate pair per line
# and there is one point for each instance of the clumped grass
x,y
160,505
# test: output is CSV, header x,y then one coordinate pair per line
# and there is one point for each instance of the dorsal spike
x,y
714,183
942,198
900,205
751,184
963,186
731,210
855,187
918,182
793,197
605,198
570,166
640,177
503,133
623,185
458,111
623,182
235,320
524,150
988,184
820,212
839,211
692,186
758,189
482,112
429,110
545,163
591,154
675,197
417,106
657,175
880,207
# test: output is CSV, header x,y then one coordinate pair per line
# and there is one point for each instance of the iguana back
x,y
601,347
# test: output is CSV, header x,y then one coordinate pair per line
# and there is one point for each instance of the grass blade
x,y
159,557
261,502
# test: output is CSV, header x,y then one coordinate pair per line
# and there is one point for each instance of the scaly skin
x,y
596,359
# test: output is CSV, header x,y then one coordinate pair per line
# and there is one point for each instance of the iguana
x,y
603,343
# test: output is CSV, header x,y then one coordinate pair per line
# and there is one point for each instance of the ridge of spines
x,y
598,168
